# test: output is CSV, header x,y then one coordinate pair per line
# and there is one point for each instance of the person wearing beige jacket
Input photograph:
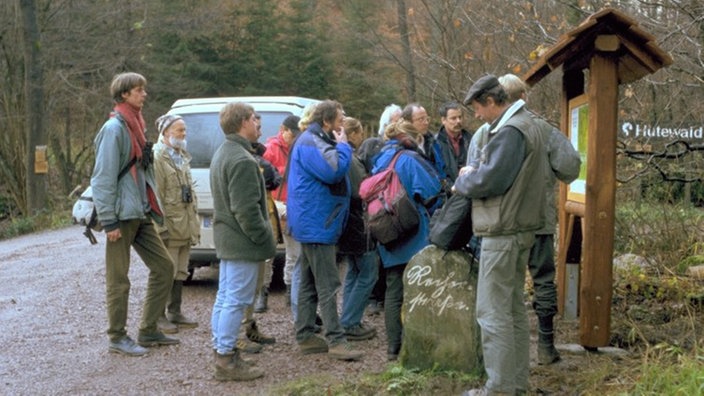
x,y
181,228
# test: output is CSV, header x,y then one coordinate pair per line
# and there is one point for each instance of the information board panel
x,y
578,127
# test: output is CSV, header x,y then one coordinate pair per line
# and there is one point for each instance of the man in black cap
x,y
508,200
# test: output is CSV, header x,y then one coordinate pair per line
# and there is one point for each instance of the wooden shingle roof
x,y
638,53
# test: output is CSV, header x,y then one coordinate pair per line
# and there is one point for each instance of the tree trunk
x,y
34,105
407,57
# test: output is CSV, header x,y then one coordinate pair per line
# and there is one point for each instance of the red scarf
x,y
455,140
135,125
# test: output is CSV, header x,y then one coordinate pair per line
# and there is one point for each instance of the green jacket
x,y
241,228
181,220
522,207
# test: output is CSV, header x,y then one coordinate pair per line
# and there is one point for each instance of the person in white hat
x,y
181,228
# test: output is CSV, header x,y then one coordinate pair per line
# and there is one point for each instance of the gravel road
x,y
53,323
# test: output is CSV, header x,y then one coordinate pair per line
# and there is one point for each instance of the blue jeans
x,y
320,282
362,273
237,284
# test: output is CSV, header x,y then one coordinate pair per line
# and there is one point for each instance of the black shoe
x,y
156,339
392,353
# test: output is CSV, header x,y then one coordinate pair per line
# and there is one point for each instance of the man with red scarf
x,y
125,200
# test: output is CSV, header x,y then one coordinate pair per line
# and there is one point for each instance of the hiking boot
x,y
313,344
229,367
260,302
182,321
255,335
359,333
246,362
156,339
165,326
547,353
247,346
126,346
344,351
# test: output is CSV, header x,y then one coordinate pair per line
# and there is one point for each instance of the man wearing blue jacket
x,y
318,206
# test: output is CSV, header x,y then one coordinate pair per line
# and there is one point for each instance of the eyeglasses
x,y
422,119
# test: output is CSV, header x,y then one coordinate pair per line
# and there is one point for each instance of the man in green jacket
x,y
242,235
507,189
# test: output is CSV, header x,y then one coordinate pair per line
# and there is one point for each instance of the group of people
x,y
508,168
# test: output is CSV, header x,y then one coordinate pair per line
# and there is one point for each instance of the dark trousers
x,y
319,284
142,235
541,266
392,307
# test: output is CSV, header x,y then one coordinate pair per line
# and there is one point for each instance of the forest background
x,y
57,58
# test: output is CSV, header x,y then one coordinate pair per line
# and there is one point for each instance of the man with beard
x,y
181,227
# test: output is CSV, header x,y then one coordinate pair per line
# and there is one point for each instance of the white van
x,y
204,136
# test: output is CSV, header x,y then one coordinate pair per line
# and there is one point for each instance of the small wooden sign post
x,y
607,49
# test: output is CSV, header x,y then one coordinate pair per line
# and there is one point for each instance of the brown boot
x,y
229,367
254,335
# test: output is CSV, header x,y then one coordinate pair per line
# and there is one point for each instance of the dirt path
x,y
53,322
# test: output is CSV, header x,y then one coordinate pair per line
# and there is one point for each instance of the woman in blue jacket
x,y
422,183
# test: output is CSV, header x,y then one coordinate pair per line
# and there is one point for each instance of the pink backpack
x,y
391,215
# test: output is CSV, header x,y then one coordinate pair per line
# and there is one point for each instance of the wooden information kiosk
x,y
607,49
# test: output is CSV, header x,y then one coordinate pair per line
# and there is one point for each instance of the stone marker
x,y
440,329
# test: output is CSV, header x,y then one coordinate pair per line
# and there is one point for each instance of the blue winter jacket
x,y
318,187
421,182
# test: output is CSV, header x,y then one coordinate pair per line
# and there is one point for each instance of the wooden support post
x,y
596,282
572,86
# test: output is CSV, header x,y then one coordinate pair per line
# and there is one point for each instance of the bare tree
x,y
406,45
34,108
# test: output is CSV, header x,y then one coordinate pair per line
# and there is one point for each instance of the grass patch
x,y
668,370
44,220
396,380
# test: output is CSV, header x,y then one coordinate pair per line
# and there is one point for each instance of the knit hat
x,y
291,122
164,122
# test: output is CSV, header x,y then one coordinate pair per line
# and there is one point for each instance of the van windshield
x,y
205,136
